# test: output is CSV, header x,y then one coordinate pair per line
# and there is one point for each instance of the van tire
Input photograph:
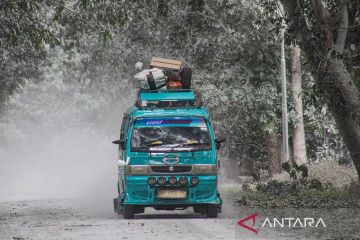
x,y
139,209
128,211
202,209
116,204
212,211
186,74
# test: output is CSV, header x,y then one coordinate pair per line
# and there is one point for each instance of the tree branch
x,y
298,23
339,14
354,26
324,19
342,32
217,19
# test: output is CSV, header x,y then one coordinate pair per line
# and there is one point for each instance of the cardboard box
x,y
165,63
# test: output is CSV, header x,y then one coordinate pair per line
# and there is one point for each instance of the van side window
x,y
127,123
122,131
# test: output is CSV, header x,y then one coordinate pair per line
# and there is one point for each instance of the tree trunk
x,y
273,151
299,147
333,79
348,126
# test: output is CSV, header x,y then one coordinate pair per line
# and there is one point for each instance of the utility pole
x,y
285,134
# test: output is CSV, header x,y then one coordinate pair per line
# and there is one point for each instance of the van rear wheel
x,y
201,208
128,211
212,211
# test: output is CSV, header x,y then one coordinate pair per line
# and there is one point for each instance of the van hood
x,y
197,157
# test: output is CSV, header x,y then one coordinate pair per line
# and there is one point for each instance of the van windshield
x,y
170,134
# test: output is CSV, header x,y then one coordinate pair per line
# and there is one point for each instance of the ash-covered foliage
x,y
302,193
60,55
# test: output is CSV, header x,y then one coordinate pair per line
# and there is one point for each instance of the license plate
x,y
171,193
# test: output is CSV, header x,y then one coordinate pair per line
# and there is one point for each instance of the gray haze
x,y
56,143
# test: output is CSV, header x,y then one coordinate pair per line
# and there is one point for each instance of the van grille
x,y
171,169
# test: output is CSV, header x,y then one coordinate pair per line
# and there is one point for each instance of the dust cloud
x,y
55,142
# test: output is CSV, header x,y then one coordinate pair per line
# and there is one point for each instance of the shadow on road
x,y
168,216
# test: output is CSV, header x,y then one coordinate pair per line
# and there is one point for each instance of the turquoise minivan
x,y
167,156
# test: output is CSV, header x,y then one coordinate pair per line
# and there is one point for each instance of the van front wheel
x,y
128,211
212,211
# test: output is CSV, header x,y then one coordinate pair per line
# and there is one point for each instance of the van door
x,y
122,150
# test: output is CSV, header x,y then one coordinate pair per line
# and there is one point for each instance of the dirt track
x,y
65,219
55,219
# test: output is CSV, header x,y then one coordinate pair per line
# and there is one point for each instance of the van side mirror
x,y
121,164
218,142
121,143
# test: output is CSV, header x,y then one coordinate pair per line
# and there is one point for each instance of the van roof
x,y
167,112
167,103
166,95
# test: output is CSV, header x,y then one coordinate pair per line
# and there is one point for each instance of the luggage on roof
x,y
164,74
165,63
153,78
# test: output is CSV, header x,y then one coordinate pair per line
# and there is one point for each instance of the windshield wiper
x,y
194,143
153,143
176,145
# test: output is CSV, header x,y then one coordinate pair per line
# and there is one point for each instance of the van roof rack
x,y
176,98
170,95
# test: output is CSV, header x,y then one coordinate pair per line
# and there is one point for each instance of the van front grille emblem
x,y
171,159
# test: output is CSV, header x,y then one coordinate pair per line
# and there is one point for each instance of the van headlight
x,y
205,169
137,170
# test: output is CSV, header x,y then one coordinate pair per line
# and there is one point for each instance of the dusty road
x,y
60,219
66,219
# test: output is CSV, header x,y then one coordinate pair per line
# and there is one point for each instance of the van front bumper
x,y
139,192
